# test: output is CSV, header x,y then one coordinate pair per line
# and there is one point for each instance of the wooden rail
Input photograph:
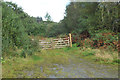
x,y
54,43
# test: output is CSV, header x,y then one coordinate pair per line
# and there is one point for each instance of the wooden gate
x,y
54,43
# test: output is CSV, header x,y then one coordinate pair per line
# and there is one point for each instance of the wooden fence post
x,y
70,39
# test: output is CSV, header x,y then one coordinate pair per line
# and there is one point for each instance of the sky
x,y
35,8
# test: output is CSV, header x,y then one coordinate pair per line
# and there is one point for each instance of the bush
x,y
116,61
23,54
88,43
74,45
30,52
32,47
108,39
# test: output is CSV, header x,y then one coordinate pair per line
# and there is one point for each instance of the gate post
x,y
70,39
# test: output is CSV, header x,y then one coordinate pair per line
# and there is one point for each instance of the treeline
x,y
17,26
100,22
91,24
93,17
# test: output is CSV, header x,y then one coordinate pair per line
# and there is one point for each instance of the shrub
x,y
88,43
116,61
23,54
32,47
2,60
74,45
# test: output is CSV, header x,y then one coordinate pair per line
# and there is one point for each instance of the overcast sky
x,y
56,8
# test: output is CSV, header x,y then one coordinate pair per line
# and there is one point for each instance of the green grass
x,y
34,57
88,53
46,58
